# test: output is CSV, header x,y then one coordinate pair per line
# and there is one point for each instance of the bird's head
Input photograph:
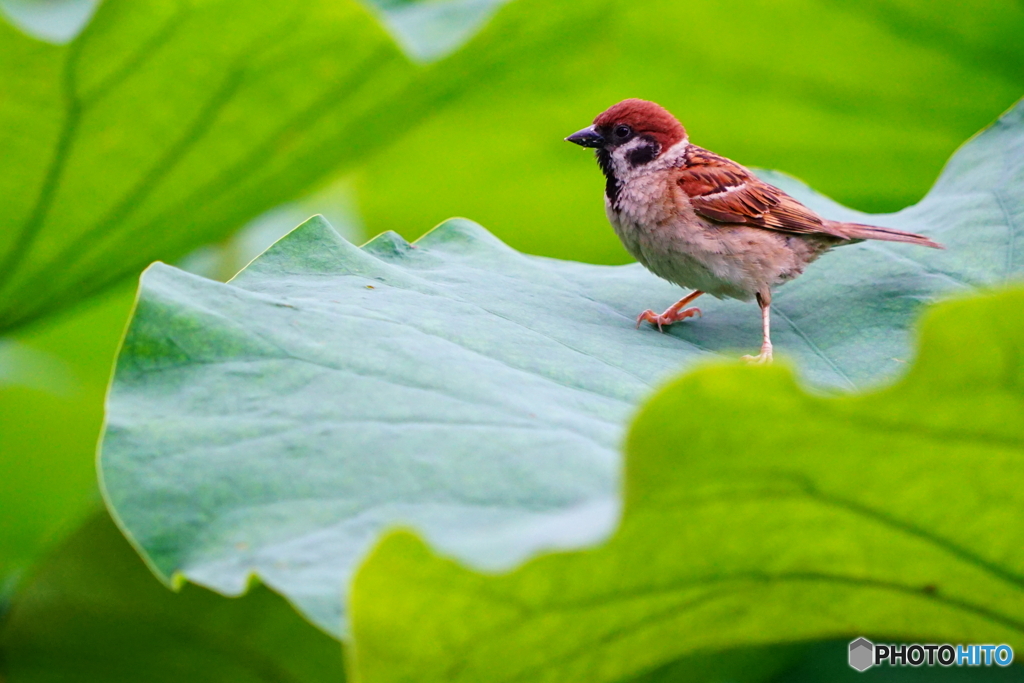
x,y
630,135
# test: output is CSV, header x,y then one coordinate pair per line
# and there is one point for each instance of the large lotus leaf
x,y
167,124
755,513
863,100
92,612
277,423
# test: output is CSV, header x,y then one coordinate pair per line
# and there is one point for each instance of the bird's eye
x,y
623,132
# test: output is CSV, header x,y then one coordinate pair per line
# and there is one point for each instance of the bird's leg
x,y
672,314
765,302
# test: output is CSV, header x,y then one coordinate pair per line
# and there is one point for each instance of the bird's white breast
x,y
657,224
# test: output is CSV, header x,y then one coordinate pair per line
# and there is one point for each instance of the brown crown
x,y
646,118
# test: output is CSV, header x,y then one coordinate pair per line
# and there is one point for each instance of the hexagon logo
x,y
862,654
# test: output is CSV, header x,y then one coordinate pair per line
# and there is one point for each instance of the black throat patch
x,y
643,154
611,184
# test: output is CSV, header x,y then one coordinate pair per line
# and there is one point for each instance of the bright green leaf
x,y
755,513
167,124
277,423
863,100
92,612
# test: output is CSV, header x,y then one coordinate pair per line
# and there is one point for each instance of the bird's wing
x,y
724,191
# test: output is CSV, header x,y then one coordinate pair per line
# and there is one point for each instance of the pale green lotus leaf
x,y
276,424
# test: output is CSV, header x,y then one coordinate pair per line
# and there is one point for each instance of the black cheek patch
x,y
643,154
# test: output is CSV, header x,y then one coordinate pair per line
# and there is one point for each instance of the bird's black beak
x,y
588,137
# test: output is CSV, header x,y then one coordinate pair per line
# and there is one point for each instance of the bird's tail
x,y
857,231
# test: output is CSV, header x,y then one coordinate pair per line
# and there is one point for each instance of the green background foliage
x,y
243,119
48,430
864,101
157,131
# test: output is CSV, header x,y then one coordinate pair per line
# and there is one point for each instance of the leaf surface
x,y
276,424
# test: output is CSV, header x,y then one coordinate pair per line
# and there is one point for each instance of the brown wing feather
x,y
722,190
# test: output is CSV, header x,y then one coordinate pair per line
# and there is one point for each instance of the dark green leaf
x,y
93,612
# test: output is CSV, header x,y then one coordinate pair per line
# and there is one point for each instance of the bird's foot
x,y
763,358
666,318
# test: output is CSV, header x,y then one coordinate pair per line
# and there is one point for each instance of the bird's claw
x,y
648,315
666,318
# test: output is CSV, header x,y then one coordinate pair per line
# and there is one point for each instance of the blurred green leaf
x,y
51,412
455,384
22,365
864,101
739,530
157,129
93,612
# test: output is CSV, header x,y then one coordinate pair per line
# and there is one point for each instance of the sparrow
x,y
704,222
